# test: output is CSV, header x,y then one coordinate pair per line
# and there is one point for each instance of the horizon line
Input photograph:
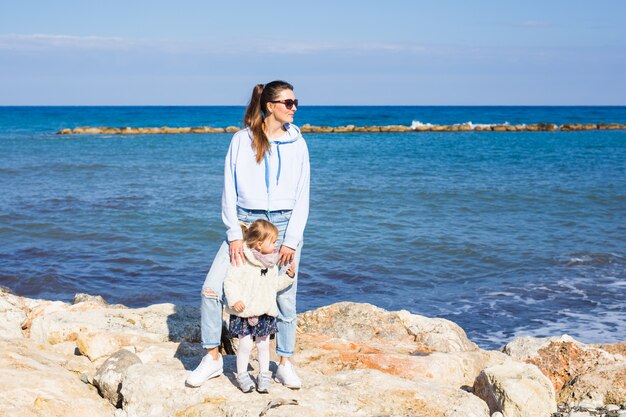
x,y
316,105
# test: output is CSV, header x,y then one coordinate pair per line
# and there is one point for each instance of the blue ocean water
x,y
507,234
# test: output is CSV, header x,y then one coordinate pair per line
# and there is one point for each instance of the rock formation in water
x,y
307,128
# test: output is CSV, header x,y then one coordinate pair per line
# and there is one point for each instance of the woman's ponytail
x,y
255,114
254,120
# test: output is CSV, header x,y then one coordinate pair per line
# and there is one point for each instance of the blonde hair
x,y
258,232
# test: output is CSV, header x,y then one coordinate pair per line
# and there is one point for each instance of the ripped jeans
x,y
211,307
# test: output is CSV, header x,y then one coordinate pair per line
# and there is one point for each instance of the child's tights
x,y
245,348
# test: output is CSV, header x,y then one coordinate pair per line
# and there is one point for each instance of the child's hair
x,y
257,232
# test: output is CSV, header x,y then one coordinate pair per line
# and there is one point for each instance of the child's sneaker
x,y
286,375
263,382
245,382
208,368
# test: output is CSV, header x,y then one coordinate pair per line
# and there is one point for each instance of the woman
x,y
266,176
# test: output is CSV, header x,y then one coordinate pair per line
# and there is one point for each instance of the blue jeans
x,y
211,307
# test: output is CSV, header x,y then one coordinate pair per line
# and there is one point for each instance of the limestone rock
x,y
363,392
322,129
343,129
437,334
329,356
395,128
367,323
352,336
560,358
599,386
609,126
59,322
305,128
109,377
13,311
516,390
83,298
571,127
547,127
34,383
99,345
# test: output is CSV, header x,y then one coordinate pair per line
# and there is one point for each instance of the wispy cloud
x,y
41,42
531,24
313,47
46,41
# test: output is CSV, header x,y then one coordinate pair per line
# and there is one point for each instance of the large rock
x,y
600,386
354,359
329,355
59,322
109,377
353,336
35,382
560,358
99,345
516,390
12,314
158,389
404,331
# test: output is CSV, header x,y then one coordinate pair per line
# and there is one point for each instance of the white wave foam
x,y
601,327
416,124
500,294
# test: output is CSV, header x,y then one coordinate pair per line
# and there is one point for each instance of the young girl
x,y
251,293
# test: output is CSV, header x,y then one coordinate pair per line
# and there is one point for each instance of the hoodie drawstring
x,y
267,182
279,160
267,164
267,172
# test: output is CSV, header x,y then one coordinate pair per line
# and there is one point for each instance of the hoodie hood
x,y
291,135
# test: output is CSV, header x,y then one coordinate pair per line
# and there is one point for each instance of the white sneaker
x,y
286,375
208,368
245,382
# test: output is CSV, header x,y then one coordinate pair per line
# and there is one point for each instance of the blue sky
x,y
482,52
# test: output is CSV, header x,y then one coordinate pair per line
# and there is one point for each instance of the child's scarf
x,y
268,260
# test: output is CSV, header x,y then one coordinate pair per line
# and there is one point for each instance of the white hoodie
x,y
279,182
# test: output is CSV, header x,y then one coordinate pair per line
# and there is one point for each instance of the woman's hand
x,y
239,306
285,255
292,270
235,250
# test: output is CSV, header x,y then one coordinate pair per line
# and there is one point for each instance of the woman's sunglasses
x,y
289,103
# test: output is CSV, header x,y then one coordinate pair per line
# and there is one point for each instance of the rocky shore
x,y
307,128
92,358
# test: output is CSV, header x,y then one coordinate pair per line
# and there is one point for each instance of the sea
x,y
505,233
